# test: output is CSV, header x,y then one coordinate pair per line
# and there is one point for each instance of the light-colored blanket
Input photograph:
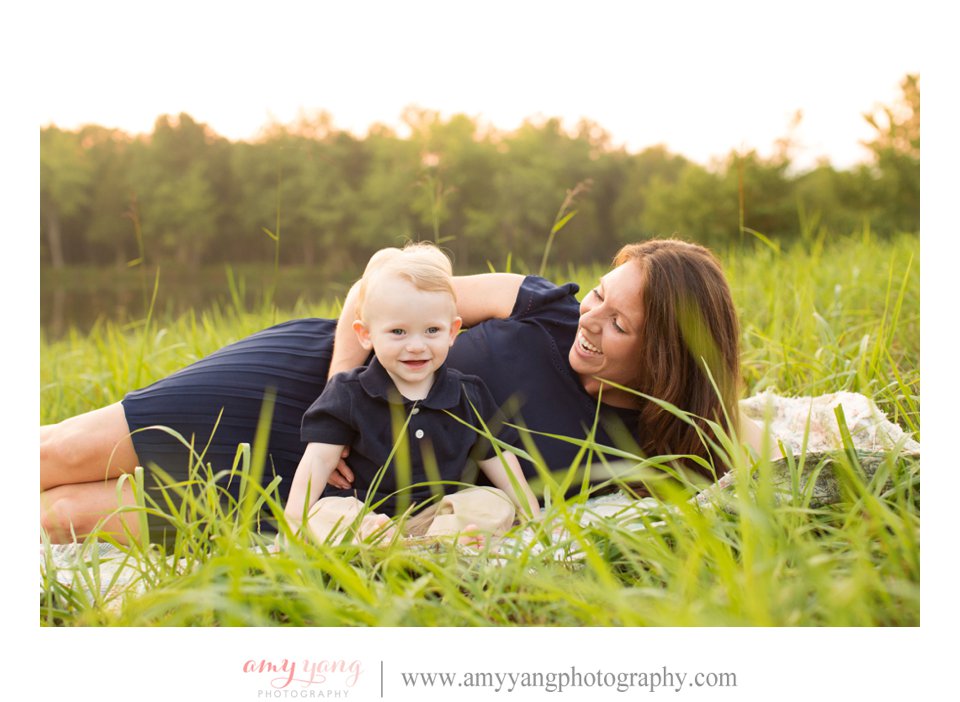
x,y
803,425
811,422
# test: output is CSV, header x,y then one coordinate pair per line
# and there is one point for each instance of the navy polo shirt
x,y
357,409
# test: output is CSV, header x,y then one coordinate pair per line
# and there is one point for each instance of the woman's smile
x,y
586,346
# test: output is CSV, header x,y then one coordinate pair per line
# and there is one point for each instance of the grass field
x,y
821,316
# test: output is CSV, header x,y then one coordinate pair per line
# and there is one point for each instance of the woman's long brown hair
x,y
689,324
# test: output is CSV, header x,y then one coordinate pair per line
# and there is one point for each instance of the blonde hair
x,y
421,264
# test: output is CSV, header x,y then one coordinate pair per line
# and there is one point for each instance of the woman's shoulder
x,y
538,293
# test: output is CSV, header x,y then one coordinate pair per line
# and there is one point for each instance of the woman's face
x,y
608,339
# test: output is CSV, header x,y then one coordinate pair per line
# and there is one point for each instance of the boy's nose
x,y
415,343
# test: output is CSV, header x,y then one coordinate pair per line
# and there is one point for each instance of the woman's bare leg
x,y
74,511
90,447
80,461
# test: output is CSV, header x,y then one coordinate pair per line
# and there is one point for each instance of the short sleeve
x,y
327,421
541,298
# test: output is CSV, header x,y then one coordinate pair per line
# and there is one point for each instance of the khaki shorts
x,y
487,509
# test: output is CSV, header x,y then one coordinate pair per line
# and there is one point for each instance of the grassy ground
x,y
817,318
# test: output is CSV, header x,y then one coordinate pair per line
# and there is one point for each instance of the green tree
x,y
699,205
384,214
737,198
177,198
109,231
766,203
453,192
840,201
65,179
637,173
540,163
303,189
896,152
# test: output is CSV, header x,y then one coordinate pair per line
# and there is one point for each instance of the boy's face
x,y
410,331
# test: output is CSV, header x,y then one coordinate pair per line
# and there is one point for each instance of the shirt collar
x,y
444,394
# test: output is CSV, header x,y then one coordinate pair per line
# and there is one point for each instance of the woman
x,y
653,325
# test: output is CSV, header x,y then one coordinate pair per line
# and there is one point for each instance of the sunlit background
x,y
702,78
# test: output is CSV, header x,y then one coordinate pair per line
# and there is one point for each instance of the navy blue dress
x,y
522,360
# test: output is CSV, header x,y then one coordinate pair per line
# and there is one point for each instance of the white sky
x,y
704,78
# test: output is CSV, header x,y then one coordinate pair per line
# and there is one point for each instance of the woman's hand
x,y
342,476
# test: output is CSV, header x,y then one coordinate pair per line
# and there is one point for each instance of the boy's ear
x,y
455,329
363,334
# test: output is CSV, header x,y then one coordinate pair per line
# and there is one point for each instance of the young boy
x,y
408,317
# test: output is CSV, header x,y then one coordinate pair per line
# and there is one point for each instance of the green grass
x,y
820,317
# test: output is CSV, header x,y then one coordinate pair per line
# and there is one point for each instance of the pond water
x,y
77,298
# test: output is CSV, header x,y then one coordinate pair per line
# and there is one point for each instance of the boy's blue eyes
x,y
401,332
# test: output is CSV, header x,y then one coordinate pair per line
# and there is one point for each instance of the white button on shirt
x,y
418,433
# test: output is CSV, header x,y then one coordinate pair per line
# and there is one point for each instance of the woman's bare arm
x,y
486,296
347,352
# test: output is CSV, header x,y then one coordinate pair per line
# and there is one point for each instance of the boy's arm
x,y
494,469
311,477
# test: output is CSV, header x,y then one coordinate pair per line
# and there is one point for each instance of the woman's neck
x,y
610,394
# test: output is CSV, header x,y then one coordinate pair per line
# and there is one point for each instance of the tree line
x,y
309,193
